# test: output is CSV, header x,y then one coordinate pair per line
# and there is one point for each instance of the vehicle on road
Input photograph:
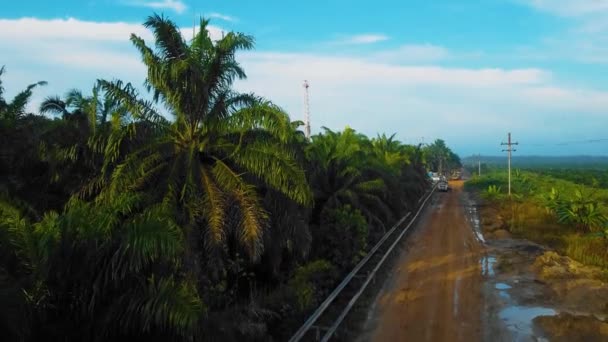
x,y
434,177
443,186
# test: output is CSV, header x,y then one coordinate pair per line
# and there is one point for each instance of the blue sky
x,y
465,71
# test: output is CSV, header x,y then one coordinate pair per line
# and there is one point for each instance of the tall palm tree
x,y
16,108
203,163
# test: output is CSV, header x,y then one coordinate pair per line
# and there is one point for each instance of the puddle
x,y
502,286
504,295
487,265
518,319
473,217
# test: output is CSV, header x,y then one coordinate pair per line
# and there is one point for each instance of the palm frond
x,y
277,168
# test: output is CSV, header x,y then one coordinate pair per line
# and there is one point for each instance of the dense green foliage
x,y
591,176
567,215
538,163
440,158
201,214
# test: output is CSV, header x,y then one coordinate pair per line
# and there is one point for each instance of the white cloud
x,y
72,53
176,5
464,105
221,17
368,38
372,94
348,69
68,29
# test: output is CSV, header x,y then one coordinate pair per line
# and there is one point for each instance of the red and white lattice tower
x,y
306,110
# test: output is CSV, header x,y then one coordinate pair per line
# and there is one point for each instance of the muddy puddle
x,y
512,302
473,217
522,306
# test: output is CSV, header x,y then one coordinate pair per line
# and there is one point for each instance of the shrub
x,y
492,193
308,278
341,237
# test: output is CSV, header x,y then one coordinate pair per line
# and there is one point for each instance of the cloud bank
x,y
404,90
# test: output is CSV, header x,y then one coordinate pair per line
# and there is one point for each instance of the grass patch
x,y
589,250
526,215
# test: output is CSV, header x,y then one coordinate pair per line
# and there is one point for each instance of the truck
x,y
443,186
434,176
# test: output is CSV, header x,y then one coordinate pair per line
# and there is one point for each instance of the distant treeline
x,y
541,161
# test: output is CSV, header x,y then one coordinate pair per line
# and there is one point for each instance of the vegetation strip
x,y
352,302
321,309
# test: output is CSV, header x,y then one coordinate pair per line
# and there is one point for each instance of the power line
x,y
571,142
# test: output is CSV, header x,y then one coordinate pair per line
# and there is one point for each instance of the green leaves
x,y
169,304
440,158
152,236
493,193
16,108
220,144
375,177
175,199
103,258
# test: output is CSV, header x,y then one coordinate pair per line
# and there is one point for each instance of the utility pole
x,y
509,150
306,110
479,165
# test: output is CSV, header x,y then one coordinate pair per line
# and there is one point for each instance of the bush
x,y
341,238
308,279
492,193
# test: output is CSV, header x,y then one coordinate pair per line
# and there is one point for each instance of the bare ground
x,y
436,291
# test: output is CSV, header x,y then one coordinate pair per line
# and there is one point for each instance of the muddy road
x,y
435,293
451,284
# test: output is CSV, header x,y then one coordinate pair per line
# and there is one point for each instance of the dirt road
x,y
436,289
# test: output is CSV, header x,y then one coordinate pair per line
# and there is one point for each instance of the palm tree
x,y
97,272
403,172
95,109
72,146
342,173
204,163
16,108
20,134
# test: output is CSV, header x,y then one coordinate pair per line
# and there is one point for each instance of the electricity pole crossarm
x,y
509,150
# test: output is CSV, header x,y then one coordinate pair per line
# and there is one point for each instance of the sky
x,y
465,71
